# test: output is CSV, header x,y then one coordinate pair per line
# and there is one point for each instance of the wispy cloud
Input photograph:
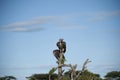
x,y
100,16
25,23
109,66
113,13
26,67
25,26
103,69
68,21
32,25
36,23
20,29
110,31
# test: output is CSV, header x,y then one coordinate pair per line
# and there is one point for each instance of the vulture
x,y
61,45
57,54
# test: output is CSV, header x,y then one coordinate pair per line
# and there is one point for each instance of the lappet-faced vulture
x,y
57,54
61,45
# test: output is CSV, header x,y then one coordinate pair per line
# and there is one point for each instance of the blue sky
x,y
29,30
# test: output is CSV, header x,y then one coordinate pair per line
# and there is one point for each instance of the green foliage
x,y
42,77
113,75
52,70
63,60
8,78
86,75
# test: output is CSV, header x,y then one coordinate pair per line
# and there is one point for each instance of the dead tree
x,y
59,54
62,47
73,75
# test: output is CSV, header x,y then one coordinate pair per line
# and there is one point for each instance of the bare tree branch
x,y
83,68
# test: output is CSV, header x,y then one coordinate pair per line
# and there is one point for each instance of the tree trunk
x,y
49,77
60,68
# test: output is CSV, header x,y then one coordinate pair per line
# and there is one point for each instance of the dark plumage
x,y
61,45
57,54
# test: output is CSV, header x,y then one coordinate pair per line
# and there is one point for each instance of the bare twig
x,y
83,68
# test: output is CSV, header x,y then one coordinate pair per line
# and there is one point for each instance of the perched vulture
x,y
61,45
57,54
